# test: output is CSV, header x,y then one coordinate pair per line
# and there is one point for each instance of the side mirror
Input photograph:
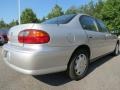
x,y
119,36
112,31
115,32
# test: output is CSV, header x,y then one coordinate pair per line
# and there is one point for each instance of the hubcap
x,y
117,49
80,64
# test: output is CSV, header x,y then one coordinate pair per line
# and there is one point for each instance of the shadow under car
x,y
61,78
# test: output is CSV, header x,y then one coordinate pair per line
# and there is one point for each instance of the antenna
x,y
19,12
57,16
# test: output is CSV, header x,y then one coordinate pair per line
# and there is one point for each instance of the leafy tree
x,y
43,19
98,8
72,10
56,11
39,21
3,25
107,10
88,8
13,23
28,16
110,13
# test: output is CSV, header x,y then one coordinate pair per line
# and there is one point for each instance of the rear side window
x,y
60,20
88,23
101,26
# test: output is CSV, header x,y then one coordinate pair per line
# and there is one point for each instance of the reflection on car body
x,y
69,42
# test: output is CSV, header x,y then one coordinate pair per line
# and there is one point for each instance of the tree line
x,y
106,10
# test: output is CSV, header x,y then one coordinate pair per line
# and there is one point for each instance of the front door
x,y
110,40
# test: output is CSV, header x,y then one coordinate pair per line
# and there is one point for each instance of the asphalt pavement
x,y
104,74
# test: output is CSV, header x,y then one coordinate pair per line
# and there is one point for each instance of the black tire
x,y
116,48
1,44
71,67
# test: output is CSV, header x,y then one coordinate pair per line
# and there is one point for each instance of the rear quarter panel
x,y
70,34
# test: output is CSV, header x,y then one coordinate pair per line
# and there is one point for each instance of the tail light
x,y
32,36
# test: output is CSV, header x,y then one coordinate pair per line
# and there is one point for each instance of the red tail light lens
x,y
32,36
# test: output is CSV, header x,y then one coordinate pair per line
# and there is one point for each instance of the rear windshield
x,y
60,20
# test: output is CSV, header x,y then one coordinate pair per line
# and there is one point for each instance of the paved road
x,y
104,74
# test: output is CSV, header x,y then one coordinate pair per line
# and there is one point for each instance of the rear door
x,y
95,38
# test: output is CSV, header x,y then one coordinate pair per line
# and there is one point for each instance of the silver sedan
x,y
68,42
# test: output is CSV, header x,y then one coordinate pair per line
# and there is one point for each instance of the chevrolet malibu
x,y
65,43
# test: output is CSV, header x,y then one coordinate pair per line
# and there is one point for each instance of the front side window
x,y
101,26
88,23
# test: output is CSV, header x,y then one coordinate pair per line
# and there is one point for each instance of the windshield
x,y
60,20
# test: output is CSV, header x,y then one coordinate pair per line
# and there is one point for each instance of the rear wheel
x,y
1,43
78,66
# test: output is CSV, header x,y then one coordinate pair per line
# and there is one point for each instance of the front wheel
x,y
116,51
78,66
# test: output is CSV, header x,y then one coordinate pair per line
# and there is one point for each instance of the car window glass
x,y
60,20
101,26
88,23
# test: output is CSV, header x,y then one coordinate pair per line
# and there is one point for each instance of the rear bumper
x,y
36,62
36,72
